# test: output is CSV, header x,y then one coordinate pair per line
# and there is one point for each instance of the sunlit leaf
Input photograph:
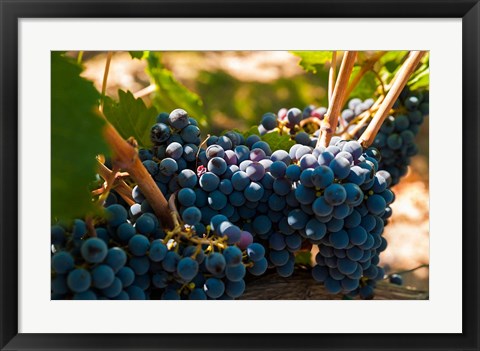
x,y
172,94
130,117
312,61
76,132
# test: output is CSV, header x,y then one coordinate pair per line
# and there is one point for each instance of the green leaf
x,y
278,141
172,94
76,139
420,81
253,130
136,54
130,117
303,258
367,86
312,61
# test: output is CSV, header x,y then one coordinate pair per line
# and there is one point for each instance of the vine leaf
x,y
312,61
366,87
172,94
421,80
136,54
253,130
131,117
303,257
278,141
76,139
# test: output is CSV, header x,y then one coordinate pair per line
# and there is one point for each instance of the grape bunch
x,y
395,141
129,256
396,138
242,208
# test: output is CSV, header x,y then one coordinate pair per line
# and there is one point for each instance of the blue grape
x,y
197,294
138,245
253,192
187,197
190,134
187,268
62,262
116,215
232,255
396,279
94,250
116,258
79,280
214,288
335,194
168,166
145,224
340,167
215,263
159,133
192,215
339,240
315,229
259,267
217,165
235,289
217,200
269,121
235,273
240,180
102,276
174,150
86,295
178,119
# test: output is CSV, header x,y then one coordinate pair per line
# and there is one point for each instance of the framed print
x,y
273,167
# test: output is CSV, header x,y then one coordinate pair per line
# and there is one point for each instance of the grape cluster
x,y
242,208
129,256
396,138
344,205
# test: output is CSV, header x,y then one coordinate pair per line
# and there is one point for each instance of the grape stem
x,y
145,91
361,120
411,270
399,82
105,77
126,157
308,120
331,75
330,121
120,186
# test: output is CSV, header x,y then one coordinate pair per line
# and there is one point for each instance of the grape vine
x,y
189,215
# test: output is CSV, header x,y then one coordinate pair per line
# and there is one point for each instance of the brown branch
x,y
126,157
330,121
382,85
398,84
301,286
425,265
361,120
314,120
120,186
367,66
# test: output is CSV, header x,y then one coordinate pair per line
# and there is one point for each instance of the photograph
x,y
240,175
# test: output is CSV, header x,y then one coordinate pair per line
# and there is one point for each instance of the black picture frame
x,y
11,11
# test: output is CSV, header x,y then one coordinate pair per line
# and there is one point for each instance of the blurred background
x,y
237,88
